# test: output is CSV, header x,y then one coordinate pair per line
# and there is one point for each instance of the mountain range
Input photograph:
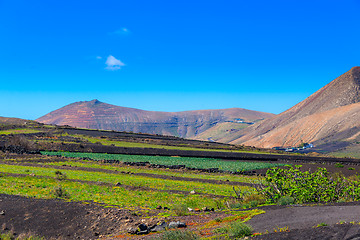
x,y
187,124
329,119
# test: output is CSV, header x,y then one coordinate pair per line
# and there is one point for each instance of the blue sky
x,y
172,55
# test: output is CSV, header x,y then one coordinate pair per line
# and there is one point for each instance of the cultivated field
x,y
51,192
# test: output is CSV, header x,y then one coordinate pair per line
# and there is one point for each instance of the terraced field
x,y
147,193
76,189
202,163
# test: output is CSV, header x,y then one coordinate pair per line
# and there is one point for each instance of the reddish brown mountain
x,y
331,114
98,115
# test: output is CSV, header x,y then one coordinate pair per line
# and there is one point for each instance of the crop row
x,y
134,199
130,180
202,163
163,172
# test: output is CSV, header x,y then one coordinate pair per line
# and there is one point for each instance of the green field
x,y
129,180
118,196
202,163
163,172
18,131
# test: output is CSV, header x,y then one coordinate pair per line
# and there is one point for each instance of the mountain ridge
x,y
98,115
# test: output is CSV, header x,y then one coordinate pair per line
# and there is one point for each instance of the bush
x,y
234,203
306,187
60,176
236,230
253,200
180,209
255,197
339,165
178,235
321,225
59,192
286,200
239,230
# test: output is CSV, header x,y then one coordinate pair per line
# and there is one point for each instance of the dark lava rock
x,y
143,227
158,228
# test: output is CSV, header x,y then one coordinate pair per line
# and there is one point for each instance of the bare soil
x,y
58,219
303,222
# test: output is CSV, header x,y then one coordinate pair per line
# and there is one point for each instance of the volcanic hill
x,y
98,115
329,116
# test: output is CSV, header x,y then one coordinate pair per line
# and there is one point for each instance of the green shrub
x,y
339,165
321,225
180,209
239,229
234,204
60,176
286,200
178,235
236,230
253,200
306,187
59,192
255,197
351,168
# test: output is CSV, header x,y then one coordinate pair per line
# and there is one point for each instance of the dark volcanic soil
x,y
302,222
74,220
58,219
335,232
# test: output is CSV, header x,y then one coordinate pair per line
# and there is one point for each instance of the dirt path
x,y
334,232
301,220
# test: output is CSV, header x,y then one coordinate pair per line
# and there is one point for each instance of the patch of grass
x,y
236,229
286,200
321,225
180,210
127,179
242,216
339,165
18,131
283,229
23,236
59,192
60,176
118,196
178,235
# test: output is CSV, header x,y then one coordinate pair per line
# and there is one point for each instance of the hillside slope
x,y
98,115
326,113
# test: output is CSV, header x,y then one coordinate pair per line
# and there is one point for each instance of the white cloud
x,y
121,31
113,63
